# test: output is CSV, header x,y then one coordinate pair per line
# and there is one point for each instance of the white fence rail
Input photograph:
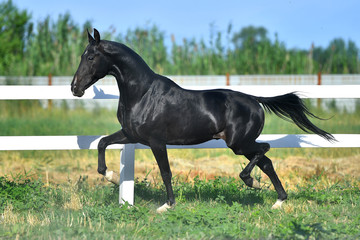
x,y
128,151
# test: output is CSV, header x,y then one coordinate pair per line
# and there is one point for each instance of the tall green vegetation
x,y
55,45
14,32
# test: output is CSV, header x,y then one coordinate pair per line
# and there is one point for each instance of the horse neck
x,y
132,74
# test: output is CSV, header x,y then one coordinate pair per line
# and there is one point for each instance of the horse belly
x,y
190,135
189,139
194,130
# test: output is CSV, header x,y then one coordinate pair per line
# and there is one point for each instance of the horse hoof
x,y
163,208
255,184
278,204
113,177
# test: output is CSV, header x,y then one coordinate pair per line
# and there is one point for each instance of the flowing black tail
x,y
290,106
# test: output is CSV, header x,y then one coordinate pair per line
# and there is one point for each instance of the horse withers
x,y
155,111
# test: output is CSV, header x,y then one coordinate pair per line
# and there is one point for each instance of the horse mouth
x,y
78,93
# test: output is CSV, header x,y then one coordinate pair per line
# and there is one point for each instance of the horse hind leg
x,y
254,153
267,167
265,164
256,156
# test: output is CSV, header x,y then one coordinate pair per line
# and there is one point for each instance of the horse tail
x,y
291,107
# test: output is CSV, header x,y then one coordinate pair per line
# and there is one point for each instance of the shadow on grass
x,y
222,190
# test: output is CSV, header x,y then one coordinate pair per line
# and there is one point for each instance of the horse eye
x,y
91,58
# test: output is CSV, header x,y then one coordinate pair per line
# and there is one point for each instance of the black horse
x,y
155,111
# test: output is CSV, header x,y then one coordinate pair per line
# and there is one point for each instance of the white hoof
x,y
163,208
278,204
113,177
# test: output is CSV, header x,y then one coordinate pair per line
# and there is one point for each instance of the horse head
x,y
94,65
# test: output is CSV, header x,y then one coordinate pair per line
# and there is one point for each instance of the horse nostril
x,y
77,92
74,90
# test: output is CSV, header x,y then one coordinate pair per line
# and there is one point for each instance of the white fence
x,y
213,80
128,151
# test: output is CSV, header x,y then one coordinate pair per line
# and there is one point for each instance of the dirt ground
x,y
185,167
291,170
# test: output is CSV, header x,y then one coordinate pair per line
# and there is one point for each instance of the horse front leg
x,y
115,138
160,153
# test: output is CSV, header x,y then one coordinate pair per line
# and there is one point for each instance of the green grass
x,y
222,208
27,118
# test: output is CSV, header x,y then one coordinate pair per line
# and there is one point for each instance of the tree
x,y
15,29
338,57
249,36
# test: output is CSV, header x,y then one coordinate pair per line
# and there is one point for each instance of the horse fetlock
x,y
113,177
102,171
282,196
250,182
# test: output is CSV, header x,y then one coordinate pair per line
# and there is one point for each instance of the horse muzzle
x,y
76,91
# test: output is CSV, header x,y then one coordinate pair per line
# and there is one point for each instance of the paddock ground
x,y
293,168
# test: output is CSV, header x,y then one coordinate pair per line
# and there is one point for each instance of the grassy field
x,y
222,208
59,195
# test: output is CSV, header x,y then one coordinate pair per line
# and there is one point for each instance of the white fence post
x,y
126,188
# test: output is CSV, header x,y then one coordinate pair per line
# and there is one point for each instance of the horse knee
x,y
102,145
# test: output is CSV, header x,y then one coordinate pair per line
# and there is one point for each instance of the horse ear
x,y
97,36
91,39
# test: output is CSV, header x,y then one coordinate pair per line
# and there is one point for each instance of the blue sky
x,y
298,23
